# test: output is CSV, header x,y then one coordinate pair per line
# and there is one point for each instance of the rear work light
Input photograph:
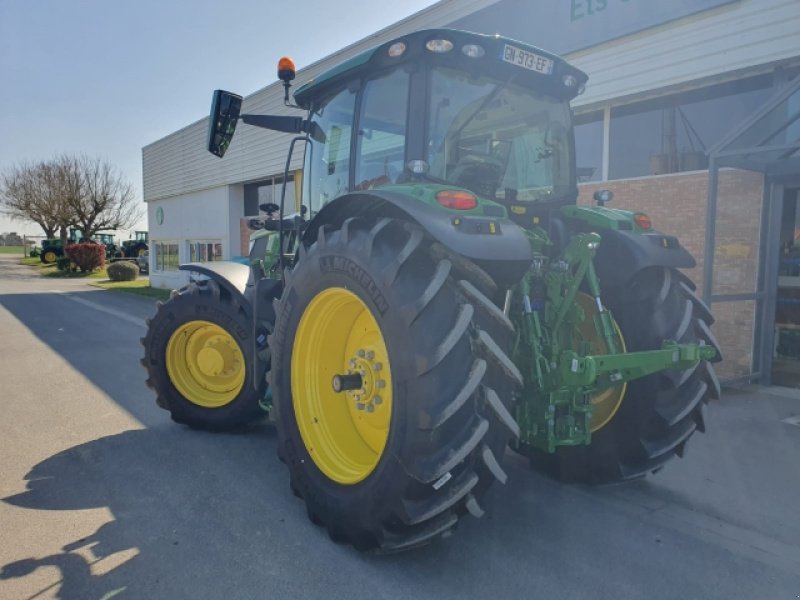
x,y
456,199
472,50
439,46
397,49
642,221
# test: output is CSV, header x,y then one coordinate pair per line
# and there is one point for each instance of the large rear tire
x,y
378,305
658,413
198,357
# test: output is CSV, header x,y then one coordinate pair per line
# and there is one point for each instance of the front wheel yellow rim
x,y
345,430
50,256
205,364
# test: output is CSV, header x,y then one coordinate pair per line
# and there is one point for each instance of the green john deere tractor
x,y
438,296
51,250
136,246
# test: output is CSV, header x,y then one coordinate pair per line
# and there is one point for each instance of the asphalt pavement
x,y
102,496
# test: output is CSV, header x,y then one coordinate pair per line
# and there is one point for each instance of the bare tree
x,y
28,193
97,194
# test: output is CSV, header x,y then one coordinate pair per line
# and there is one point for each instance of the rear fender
x,y
621,255
495,243
232,277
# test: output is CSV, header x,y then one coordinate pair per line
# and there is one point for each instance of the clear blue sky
x,y
106,77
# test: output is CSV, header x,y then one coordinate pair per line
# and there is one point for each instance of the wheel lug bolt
x,y
360,406
370,408
380,383
370,355
377,399
377,366
361,353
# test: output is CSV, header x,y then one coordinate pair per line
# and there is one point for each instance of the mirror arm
x,y
275,122
286,124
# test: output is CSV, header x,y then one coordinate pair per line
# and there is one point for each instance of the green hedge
x,y
122,270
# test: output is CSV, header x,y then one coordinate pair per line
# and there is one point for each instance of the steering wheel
x,y
480,173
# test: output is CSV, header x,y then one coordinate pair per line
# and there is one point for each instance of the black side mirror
x,y
225,109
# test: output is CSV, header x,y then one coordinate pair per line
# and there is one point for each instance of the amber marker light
x,y
456,199
286,69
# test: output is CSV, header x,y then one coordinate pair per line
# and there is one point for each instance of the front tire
x,y
658,413
198,357
397,473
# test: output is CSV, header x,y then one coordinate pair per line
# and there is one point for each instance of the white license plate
x,y
527,60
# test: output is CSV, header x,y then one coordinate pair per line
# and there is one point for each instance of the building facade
x,y
668,82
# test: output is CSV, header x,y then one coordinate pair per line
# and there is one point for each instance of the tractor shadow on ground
x,y
172,495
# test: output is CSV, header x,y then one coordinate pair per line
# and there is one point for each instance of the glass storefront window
x,y
166,256
672,134
589,146
205,251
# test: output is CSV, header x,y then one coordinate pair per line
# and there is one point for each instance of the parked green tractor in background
x,y
51,250
136,246
437,296
107,240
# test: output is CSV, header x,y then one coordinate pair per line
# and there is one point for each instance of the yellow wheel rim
x,y
345,432
205,364
50,256
606,403
141,251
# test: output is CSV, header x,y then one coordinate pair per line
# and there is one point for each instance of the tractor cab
x,y
477,113
104,238
136,246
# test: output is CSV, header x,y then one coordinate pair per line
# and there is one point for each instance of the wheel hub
x,y
363,381
205,364
210,362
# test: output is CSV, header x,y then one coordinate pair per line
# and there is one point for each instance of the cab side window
x,y
327,161
381,136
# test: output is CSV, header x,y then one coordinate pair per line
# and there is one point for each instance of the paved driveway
x,y
102,496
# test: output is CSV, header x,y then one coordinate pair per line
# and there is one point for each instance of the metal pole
x,y
770,265
711,229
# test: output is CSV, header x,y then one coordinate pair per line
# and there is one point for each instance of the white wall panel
x,y
703,47
211,214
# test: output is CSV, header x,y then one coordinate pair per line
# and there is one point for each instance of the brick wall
x,y
244,236
677,206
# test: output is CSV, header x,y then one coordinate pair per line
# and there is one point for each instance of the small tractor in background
x,y
136,246
107,240
437,296
50,251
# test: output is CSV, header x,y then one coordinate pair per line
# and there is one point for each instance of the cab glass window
x,y
381,135
327,164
